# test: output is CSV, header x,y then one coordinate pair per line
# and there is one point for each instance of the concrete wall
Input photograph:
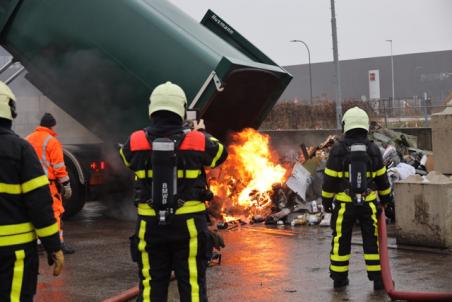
x,y
442,140
423,213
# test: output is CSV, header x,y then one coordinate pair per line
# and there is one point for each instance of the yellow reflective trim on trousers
x,y
344,197
373,268
34,183
380,171
18,275
10,189
146,269
192,264
339,269
339,258
17,239
191,206
121,152
374,218
340,218
371,257
12,229
189,174
331,173
48,231
327,194
385,192
217,157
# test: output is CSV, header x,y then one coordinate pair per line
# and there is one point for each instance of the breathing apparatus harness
x,y
165,189
358,163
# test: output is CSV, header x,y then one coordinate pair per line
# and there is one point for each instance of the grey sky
x,y
363,26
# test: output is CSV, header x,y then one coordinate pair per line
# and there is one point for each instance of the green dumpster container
x,y
100,59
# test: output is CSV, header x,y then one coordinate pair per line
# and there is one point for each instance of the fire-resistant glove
x,y
67,190
56,259
199,126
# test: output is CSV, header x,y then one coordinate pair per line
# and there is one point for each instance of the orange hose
x,y
387,277
124,296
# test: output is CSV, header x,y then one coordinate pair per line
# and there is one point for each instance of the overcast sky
x,y
363,26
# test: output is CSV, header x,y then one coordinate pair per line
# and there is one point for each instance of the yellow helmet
x,y
7,102
169,97
355,118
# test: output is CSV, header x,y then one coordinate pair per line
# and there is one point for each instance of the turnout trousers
x,y
345,214
180,246
18,272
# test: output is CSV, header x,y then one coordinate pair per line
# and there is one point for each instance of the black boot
x,y
378,283
340,283
66,249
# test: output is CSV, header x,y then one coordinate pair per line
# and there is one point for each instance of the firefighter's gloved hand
x,y
217,240
327,205
56,259
67,190
199,126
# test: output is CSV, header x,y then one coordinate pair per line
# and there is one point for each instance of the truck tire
x,y
74,204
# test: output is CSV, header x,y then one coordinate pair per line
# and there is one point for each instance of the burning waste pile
x,y
253,187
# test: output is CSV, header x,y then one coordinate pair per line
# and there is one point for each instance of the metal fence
x,y
404,112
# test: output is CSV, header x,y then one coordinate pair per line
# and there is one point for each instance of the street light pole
x,y
392,70
336,63
310,74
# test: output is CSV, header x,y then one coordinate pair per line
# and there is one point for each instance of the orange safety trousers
x,y
57,206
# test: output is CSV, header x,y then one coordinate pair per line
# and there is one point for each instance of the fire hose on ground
x,y
124,296
387,277
385,272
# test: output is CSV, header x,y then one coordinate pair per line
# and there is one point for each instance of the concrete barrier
x,y
442,140
424,211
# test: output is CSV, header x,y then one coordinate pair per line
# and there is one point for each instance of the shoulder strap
x,y
139,141
194,140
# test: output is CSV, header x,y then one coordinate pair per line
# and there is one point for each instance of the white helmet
x,y
355,118
7,102
168,97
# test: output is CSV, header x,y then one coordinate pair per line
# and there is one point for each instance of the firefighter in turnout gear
x,y
25,211
50,153
355,182
171,234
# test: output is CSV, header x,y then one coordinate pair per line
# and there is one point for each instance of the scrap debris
x,y
296,200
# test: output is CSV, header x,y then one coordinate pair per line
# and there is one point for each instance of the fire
x,y
243,184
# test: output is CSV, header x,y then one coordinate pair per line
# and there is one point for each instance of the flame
x,y
243,183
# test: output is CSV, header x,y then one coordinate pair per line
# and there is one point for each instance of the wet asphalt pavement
x,y
258,264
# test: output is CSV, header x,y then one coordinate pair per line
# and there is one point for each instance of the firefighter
x,y
50,153
171,238
355,164
25,211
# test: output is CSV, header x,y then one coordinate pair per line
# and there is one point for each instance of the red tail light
x,y
97,166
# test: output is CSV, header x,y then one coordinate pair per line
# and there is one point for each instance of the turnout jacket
x,y
196,151
335,180
25,200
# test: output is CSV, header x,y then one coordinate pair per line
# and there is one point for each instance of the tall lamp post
x,y
392,70
309,59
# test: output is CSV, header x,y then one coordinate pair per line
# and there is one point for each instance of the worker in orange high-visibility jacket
x,y
25,211
50,153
